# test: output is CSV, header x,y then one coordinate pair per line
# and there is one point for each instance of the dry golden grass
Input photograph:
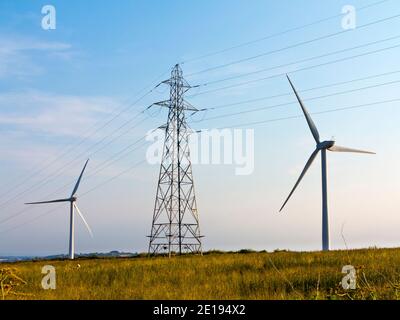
x,y
278,275
9,282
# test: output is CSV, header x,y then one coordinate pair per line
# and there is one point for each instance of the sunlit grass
x,y
278,275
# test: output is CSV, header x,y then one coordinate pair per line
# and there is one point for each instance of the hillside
x,y
278,275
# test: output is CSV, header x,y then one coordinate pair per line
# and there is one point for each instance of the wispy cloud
x,y
16,55
37,126
59,115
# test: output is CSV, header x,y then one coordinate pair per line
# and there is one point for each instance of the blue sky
x,y
56,85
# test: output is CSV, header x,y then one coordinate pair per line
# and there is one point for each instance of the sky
x,y
77,92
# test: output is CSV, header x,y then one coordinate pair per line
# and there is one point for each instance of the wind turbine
x,y
321,146
72,200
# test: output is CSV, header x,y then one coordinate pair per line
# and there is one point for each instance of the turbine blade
x,y
84,220
310,122
51,201
79,179
344,149
308,165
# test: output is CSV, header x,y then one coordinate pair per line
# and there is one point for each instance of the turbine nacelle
x,y
325,145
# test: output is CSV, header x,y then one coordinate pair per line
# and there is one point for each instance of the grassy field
x,y
278,275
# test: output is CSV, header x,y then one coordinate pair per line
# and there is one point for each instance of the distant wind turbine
x,y
72,200
321,146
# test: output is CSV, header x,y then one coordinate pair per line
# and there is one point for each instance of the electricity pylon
x,y
175,227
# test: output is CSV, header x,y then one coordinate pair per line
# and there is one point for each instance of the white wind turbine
x,y
321,146
72,200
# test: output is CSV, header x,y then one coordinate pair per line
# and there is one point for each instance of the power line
x,y
113,178
300,61
124,110
293,46
121,156
85,138
299,116
32,220
84,194
200,93
233,126
304,90
105,164
278,33
66,152
297,70
51,176
293,102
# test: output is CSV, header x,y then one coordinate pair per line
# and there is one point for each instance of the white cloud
x,y
37,126
16,55
58,115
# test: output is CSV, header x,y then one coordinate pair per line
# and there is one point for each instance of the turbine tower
x,y
175,225
321,147
73,206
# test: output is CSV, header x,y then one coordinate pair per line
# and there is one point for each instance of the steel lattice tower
x,y
175,227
